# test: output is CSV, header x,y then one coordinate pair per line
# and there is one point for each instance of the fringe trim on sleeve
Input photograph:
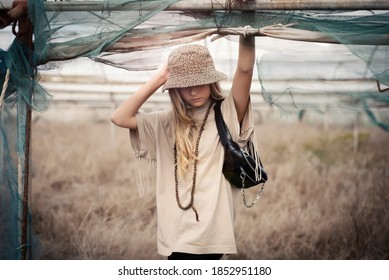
x,y
248,141
145,175
253,150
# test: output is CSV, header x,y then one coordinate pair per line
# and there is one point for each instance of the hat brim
x,y
191,80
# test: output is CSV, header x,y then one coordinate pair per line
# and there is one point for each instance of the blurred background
x,y
327,194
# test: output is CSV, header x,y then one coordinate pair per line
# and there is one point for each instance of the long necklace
x,y
190,204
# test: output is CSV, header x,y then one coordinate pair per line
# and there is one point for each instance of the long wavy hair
x,y
185,142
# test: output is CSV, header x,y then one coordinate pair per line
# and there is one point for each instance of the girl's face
x,y
195,96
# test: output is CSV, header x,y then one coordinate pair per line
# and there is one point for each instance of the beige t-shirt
x,y
214,199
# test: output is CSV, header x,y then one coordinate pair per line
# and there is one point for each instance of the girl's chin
x,y
198,103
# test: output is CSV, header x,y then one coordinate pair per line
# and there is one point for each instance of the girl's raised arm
x,y
241,83
124,115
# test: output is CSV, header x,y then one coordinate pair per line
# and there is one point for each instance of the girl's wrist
x,y
162,75
247,40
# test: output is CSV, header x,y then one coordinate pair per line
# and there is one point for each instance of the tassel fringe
x,y
145,175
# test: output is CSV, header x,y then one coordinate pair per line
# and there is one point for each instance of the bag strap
x,y
224,133
222,128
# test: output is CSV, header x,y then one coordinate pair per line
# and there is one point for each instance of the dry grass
x,y
323,201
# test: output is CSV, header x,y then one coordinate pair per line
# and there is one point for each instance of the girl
x,y
195,203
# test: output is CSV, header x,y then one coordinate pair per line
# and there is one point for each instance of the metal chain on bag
x,y
243,177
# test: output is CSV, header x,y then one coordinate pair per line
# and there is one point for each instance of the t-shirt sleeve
x,y
150,126
240,133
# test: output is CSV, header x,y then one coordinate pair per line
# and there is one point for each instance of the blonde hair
x,y
185,142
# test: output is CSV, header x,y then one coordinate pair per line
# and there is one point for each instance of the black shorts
x,y
186,256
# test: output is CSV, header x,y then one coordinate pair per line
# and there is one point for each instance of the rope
x,y
5,85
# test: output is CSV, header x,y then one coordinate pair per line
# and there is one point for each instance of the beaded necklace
x,y
190,204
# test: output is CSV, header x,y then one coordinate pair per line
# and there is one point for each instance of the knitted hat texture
x,y
191,65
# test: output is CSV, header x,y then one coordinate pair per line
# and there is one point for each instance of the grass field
x,y
324,199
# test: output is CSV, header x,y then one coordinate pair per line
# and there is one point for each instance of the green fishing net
x,y
131,35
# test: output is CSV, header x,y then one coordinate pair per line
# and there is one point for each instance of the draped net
x,y
131,35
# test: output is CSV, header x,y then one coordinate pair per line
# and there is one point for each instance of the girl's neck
x,y
197,113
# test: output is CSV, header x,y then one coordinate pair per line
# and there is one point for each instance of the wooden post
x,y
25,37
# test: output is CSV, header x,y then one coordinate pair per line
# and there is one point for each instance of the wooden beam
x,y
206,5
284,5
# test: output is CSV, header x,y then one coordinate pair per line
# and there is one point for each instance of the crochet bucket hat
x,y
191,65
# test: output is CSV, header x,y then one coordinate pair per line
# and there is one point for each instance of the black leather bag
x,y
239,165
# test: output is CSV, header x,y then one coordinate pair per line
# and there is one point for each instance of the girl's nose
x,y
194,90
